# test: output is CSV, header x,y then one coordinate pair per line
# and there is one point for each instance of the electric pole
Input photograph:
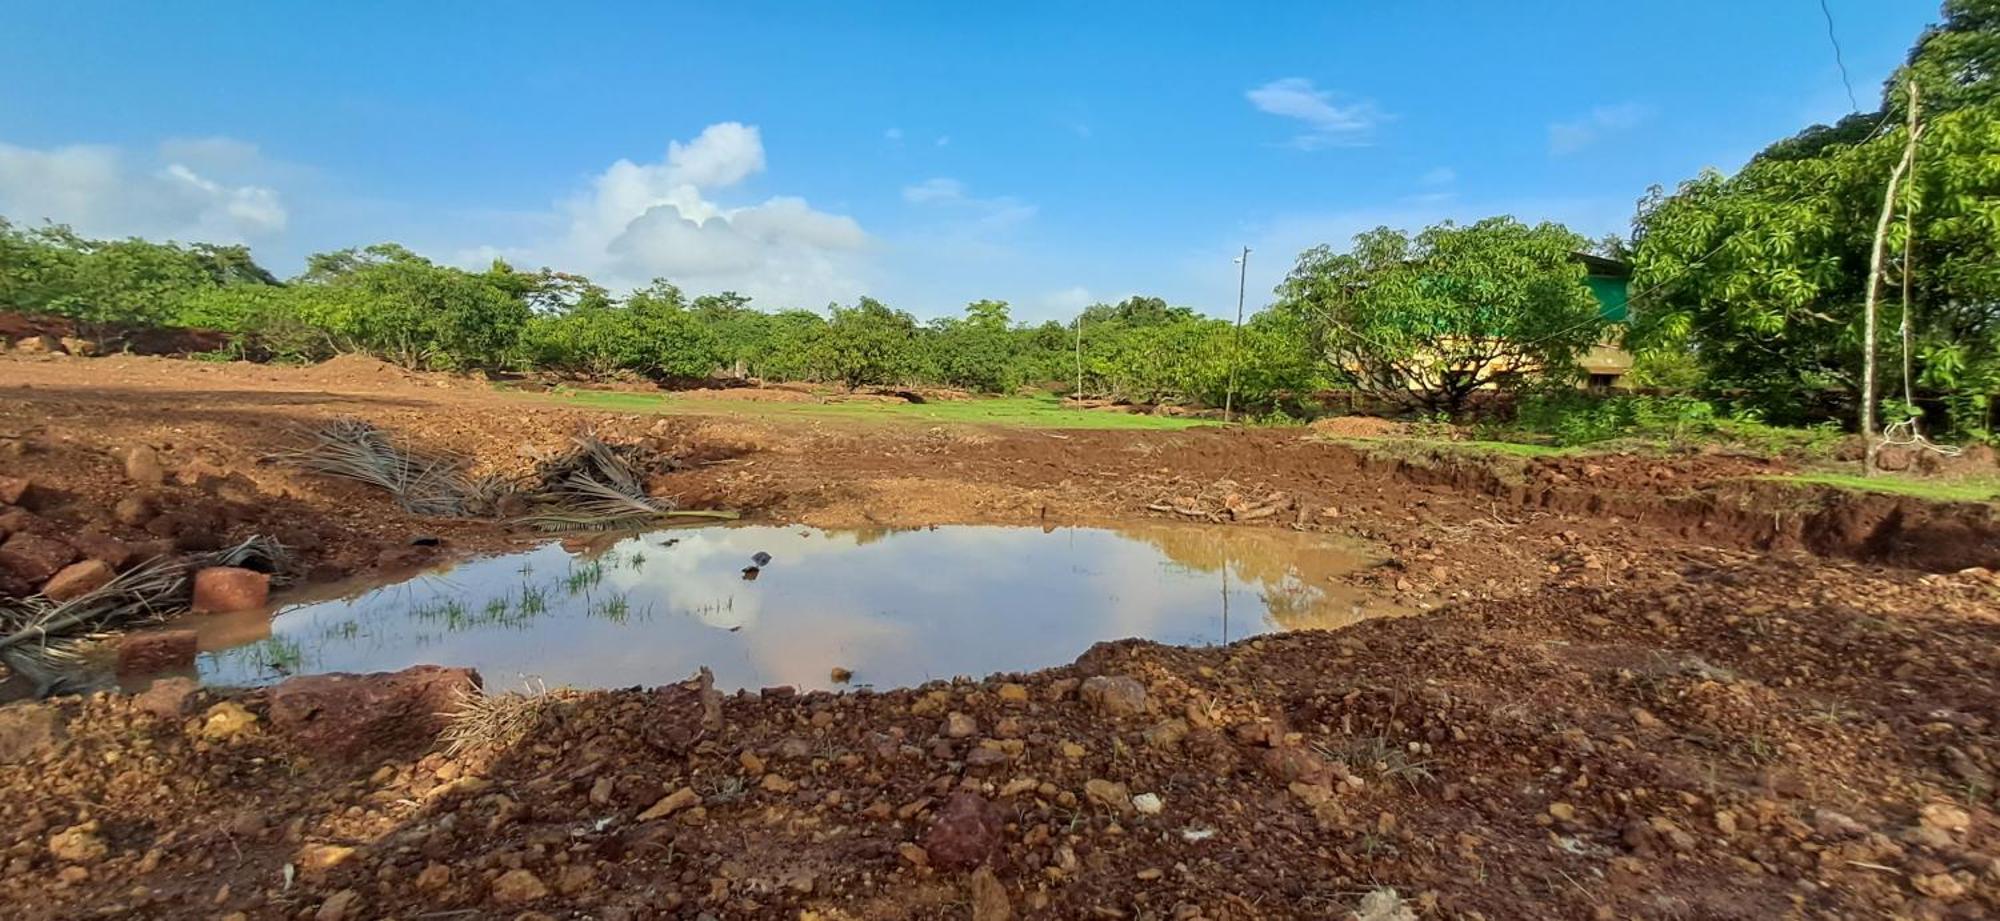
x,y
1236,337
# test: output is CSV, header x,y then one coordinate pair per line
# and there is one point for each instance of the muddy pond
x,y
765,606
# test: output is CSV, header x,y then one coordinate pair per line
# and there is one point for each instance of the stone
x,y
78,579
1148,803
37,345
1114,695
339,906
1106,794
917,856
1837,825
168,698
316,861
78,346
135,510
1384,905
840,675
27,730
670,804
989,897
1292,763
776,783
110,550
1945,817
518,887
35,558
343,716
157,652
222,589
1562,812
433,878
13,489
226,721
1167,734
958,725
78,844
142,466
1014,693
966,833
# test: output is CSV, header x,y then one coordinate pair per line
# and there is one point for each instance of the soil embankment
x,y
1646,688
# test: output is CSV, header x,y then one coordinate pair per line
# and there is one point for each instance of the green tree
x,y
868,343
1761,275
1426,321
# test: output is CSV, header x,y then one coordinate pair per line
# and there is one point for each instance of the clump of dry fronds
x,y
479,720
422,484
597,486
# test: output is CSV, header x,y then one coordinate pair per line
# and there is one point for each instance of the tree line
x,y
1747,289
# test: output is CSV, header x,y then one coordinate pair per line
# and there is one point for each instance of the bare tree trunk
x,y
1869,432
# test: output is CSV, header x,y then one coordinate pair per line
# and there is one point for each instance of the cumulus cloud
x,y
637,221
176,194
1568,137
1327,123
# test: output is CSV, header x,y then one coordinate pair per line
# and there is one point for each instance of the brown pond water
x,y
894,607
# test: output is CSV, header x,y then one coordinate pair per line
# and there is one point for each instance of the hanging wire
x,y
1839,60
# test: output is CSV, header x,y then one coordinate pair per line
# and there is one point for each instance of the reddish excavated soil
x,y
1644,688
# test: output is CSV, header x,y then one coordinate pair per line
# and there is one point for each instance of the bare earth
x,y
1644,688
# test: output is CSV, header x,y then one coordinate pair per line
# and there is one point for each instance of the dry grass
x,y
481,721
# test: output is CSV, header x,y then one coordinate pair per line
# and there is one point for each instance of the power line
x,y
1838,59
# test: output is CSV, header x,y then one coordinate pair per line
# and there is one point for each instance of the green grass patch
x,y
1027,412
1976,489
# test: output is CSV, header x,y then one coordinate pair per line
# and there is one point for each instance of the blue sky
x,y
929,154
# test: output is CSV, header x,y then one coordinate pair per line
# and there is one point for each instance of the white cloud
x,y
1067,300
894,135
96,190
939,189
974,214
1568,137
1327,124
944,140
637,221
1443,175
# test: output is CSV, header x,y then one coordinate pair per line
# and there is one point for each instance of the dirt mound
x,y
1358,427
357,370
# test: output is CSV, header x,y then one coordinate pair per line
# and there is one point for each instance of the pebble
x,y
518,887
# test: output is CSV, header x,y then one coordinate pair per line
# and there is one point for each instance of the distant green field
x,y
1983,489
1027,412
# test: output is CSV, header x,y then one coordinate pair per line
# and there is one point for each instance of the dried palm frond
x,y
481,720
598,487
422,484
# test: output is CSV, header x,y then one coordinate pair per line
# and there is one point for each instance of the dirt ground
x,y
1643,687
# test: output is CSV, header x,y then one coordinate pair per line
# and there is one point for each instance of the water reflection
x,y
896,607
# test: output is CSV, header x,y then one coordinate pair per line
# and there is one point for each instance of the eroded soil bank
x,y
1643,688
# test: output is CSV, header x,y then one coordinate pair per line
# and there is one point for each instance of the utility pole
x,y
1869,433
1236,337
1079,355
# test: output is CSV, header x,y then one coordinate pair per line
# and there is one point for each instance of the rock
x,y
226,721
1167,733
958,725
840,675
1148,803
37,345
966,833
989,897
78,844
1114,695
78,579
434,877
35,558
1945,817
135,510
168,698
142,466
222,589
1837,825
518,887
917,856
670,804
1562,812
1291,763
342,715
157,652
1072,750
776,783
339,906
1941,886
27,730
1384,905
1108,795
113,552
1014,693
78,346
13,489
